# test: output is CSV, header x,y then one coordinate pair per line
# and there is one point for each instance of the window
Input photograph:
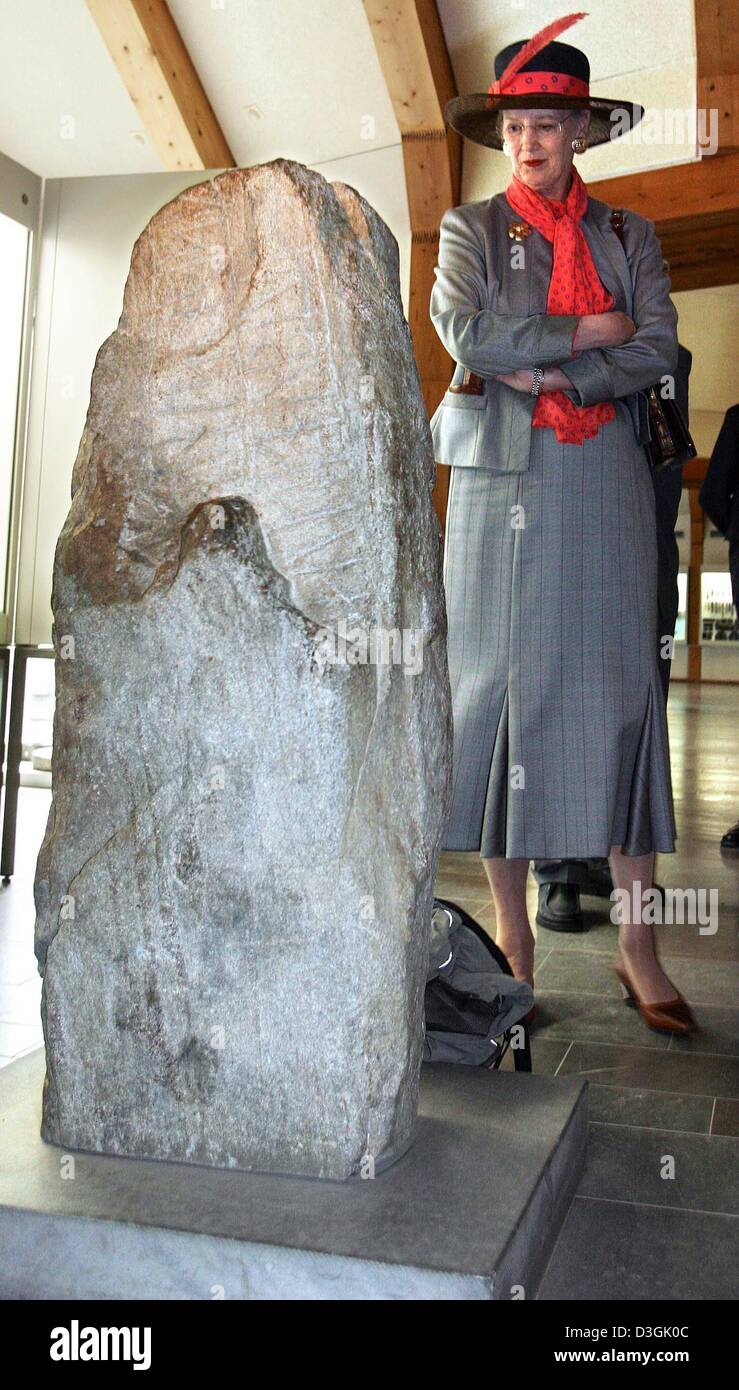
x,y
14,240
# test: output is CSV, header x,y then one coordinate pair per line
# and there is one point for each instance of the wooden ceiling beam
x,y
717,53
418,74
161,80
702,255
708,185
695,209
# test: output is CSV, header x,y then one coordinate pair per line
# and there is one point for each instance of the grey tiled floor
x,y
655,1216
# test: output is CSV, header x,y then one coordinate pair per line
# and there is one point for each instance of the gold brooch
x,y
518,230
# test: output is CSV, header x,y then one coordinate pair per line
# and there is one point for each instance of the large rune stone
x,y
252,737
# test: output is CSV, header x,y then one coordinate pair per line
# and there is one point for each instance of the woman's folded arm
x,y
604,374
481,340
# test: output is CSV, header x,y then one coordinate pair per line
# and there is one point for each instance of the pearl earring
x,y
506,149
579,145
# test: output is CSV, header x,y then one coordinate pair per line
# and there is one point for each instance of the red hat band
x,y
557,82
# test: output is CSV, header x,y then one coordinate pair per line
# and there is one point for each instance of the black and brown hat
x,y
539,72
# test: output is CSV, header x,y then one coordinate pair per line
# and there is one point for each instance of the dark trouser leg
x,y
588,875
559,898
559,870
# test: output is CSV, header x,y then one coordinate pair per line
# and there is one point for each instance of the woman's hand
x,y
553,380
611,329
519,381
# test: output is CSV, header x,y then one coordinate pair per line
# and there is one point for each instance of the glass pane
x,y
717,609
681,627
13,253
38,711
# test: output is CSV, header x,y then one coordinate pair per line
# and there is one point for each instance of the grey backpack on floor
x,y
472,1000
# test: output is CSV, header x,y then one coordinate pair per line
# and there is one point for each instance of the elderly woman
x,y
560,735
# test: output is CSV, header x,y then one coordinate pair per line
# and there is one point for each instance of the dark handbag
x,y
670,440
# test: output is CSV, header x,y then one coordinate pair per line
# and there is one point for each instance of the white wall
x,y
708,324
20,202
89,227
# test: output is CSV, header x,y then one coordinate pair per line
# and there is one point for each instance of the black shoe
x,y
731,839
559,907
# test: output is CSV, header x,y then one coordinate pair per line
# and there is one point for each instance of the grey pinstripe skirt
x,y
560,733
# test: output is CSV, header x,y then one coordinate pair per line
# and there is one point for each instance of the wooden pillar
x,y
717,53
162,82
415,62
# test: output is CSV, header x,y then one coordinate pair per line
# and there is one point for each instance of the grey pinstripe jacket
x,y
491,317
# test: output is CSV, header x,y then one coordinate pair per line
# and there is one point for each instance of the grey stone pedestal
x,y
470,1212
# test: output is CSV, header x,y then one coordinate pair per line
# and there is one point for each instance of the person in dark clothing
x,y
719,498
719,495
561,881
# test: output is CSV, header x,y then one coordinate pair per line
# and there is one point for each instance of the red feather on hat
x,y
535,45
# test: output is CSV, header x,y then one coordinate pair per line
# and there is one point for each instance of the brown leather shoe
x,y
666,1016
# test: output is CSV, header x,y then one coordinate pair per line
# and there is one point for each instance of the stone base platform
x,y
471,1211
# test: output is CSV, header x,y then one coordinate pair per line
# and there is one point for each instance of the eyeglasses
x,y
545,130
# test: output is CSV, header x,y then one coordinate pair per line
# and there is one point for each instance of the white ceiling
x,y
621,37
300,78
53,66
297,78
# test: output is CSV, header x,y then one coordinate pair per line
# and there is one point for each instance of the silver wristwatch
x,y
537,378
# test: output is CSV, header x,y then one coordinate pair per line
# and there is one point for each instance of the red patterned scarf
x,y
575,288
